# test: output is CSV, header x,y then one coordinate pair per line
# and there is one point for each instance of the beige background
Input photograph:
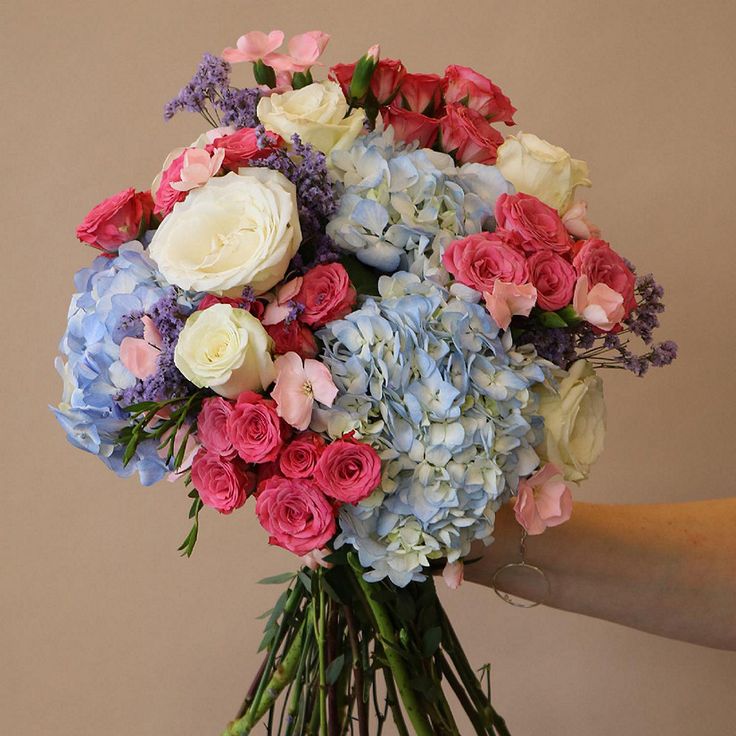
x,y
104,628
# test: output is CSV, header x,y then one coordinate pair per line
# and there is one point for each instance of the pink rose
x,y
421,93
468,136
116,220
293,337
348,470
296,514
221,482
481,259
242,146
543,500
411,126
299,458
538,225
212,426
255,429
553,277
326,293
465,86
602,265
165,196
386,80
507,300
600,305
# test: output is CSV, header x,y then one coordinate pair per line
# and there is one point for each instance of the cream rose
x,y
316,113
538,168
574,421
225,349
237,230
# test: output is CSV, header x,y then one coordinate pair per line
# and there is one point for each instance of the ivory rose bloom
x,y
225,349
316,113
574,421
237,230
536,167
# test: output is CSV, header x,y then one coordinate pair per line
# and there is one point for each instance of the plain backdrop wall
x,y
103,627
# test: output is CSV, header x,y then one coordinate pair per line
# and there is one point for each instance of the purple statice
x,y
644,320
203,91
237,107
167,382
556,344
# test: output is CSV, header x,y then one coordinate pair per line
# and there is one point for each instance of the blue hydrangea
x,y
426,379
107,293
400,203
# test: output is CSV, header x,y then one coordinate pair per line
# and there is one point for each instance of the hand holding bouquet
x,y
356,303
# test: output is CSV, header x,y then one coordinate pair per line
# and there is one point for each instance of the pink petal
x,y
319,376
140,358
150,334
275,313
525,510
253,46
453,574
498,309
289,290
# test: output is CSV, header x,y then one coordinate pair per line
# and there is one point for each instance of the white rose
x,y
316,113
237,230
225,349
538,168
574,421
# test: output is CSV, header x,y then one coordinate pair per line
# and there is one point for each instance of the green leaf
x,y
140,407
431,641
551,319
265,614
363,278
277,579
406,609
569,314
334,669
330,591
305,580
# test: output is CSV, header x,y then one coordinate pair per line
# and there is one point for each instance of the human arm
x,y
668,569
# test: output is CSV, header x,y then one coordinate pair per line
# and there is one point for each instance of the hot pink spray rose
x,y
300,457
410,127
165,197
544,500
481,259
221,482
464,85
602,265
326,293
295,513
254,427
116,220
553,277
348,470
212,426
468,136
538,225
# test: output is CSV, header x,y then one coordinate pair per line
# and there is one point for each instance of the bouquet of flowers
x,y
357,306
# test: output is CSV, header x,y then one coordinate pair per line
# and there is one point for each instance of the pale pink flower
x,y
507,300
298,385
140,355
304,50
253,46
453,574
198,168
600,306
543,500
577,224
193,446
278,310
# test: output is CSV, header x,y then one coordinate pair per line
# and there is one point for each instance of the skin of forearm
x,y
666,569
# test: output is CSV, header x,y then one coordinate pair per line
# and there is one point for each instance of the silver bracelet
x,y
523,565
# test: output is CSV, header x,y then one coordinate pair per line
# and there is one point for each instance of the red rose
x,y
422,93
468,136
165,196
326,294
538,225
296,514
464,85
343,75
242,146
221,482
554,279
116,220
411,126
299,458
602,265
386,80
255,429
209,300
480,260
212,429
348,470
293,337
